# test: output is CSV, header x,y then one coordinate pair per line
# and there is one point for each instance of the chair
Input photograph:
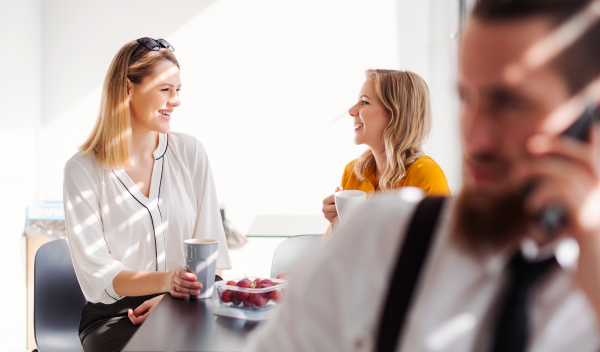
x,y
291,250
58,299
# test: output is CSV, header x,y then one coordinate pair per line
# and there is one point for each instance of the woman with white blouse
x,y
132,194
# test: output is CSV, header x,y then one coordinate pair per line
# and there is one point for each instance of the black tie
x,y
512,327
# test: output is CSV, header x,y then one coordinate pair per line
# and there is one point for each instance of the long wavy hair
x,y
110,140
405,96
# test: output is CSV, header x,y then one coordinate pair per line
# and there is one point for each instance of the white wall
x,y
442,59
266,86
20,121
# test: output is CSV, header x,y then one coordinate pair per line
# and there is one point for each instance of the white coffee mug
x,y
345,201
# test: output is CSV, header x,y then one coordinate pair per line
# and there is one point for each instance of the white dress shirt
x,y
336,295
112,226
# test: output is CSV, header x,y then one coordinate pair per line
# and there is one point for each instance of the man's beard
x,y
490,221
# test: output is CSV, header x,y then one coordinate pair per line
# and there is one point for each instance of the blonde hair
x,y
406,98
110,140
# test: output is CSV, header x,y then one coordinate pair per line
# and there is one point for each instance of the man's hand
x,y
569,173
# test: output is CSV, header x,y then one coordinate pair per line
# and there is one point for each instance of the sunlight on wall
x,y
17,188
20,96
266,89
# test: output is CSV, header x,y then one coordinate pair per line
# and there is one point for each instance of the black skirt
x,y
106,327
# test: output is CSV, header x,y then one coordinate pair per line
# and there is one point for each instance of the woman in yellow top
x,y
392,117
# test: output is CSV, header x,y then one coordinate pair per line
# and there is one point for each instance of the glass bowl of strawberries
x,y
250,293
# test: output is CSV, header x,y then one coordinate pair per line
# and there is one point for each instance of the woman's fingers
x,y
135,319
182,273
184,283
283,276
142,312
329,200
330,212
191,285
329,209
186,279
143,308
330,216
187,284
185,290
132,317
177,294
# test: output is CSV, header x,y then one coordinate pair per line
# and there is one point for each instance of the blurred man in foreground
x,y
491,279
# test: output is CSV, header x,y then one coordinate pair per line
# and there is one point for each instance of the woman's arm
x,y
141,283
93,263
178,282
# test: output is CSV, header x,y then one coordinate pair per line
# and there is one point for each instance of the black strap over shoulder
x,y
408,269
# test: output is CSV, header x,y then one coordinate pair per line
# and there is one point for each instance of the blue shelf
x,y
49,210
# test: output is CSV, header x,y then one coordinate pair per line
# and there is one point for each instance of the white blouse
x,y
112,226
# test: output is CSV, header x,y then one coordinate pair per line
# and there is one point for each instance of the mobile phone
x,y
554,216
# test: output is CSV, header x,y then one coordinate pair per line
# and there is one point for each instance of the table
x,y
287,225
189,325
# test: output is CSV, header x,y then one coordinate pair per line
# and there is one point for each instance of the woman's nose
x,y
174,101
353,111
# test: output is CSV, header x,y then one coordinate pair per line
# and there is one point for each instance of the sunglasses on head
x,y
153,44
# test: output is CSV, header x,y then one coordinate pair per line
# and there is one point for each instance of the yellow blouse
x,y
424,173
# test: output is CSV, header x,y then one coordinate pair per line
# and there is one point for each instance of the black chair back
x,y
291,250
58,299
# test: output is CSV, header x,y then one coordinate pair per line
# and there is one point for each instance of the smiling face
x,y
370,118
153,100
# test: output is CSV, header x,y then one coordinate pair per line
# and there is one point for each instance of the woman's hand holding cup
x,y
329,209
182,283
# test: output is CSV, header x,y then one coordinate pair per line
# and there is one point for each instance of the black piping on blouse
x,y
158,206
151,218
110,295
165,152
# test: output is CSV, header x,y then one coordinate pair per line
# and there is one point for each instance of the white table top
x,y
287,225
